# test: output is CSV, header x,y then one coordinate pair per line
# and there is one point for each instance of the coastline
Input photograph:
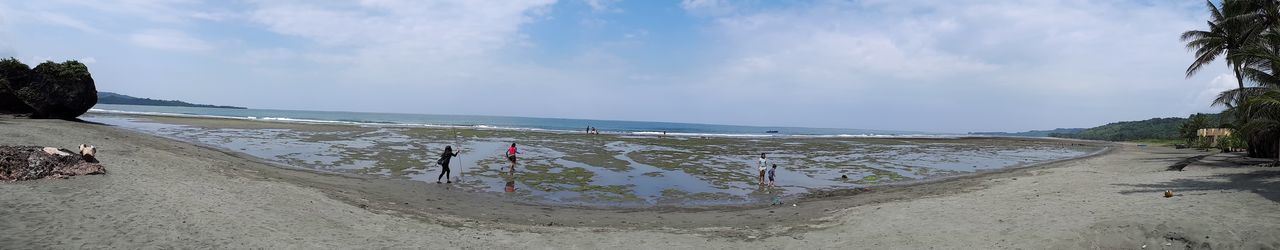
x,y
133,161
395,152
281,116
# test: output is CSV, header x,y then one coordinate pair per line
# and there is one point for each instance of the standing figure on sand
x,y
771,172
511,156
763,163
444,163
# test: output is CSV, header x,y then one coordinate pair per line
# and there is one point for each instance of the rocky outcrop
x,y
9,103
50,90
20,163
59,90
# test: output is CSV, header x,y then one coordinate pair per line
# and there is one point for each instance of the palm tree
x,y
1229,32
1224,37
1192,126
1242,32
1260,61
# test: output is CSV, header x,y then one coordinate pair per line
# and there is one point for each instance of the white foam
x,y
269,119
699,134
493,127
315,121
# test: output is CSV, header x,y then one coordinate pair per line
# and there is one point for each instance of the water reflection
x,y
510,177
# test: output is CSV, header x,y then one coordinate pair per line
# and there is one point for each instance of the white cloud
x,y
822,48
64,20
160,11
258,56
88,60
914,65
390,37
173,40
39,59
592,22
973,62
636,34
1222,82
707,7
6,29
603,5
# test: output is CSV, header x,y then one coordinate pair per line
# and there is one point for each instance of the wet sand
x,y
161,192
609,171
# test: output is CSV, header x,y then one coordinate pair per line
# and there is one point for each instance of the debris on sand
x,y
20,163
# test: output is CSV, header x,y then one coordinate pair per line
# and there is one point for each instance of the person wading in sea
x,y
764,163
444,163
511,156
771,173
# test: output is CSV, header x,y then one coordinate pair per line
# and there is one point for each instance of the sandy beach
x,y
165,193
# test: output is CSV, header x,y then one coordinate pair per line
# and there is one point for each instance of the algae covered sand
x,y
608,170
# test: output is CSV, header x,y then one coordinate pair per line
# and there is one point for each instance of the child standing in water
x,y
763,162
444,163
771,171
511,156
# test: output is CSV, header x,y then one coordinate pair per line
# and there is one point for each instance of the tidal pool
x,y
606,170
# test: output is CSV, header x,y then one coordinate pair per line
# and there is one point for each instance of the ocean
x,y
504,122
630,164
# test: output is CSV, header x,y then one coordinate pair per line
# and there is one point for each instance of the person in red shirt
x,y
511,156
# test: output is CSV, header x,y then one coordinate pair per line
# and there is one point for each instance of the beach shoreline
x,y
138,163
582,148
405,120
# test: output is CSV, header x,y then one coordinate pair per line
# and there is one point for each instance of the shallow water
x,y
515,123
604,170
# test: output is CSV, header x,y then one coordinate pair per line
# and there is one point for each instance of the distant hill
x,y
1155,128
1033,133
113,98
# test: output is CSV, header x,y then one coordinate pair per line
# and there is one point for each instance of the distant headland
x,y
113,98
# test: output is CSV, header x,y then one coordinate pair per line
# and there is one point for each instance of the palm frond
x,y
1232,97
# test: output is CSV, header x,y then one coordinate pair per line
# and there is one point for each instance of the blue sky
x,y
942,66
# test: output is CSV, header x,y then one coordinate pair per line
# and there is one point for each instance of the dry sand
x,y
164,193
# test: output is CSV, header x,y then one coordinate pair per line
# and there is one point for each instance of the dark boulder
x,y
58,90
15,71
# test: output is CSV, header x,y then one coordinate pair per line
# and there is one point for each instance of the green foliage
x,y
1231,143
1157,128
13,75
14,71
1188,130
1202,143
58,90
54,74
1226,35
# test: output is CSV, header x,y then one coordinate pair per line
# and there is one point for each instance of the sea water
x,y
718,166
497,122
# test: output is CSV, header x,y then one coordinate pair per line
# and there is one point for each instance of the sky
x,y
936,66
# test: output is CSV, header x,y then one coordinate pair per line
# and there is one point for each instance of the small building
x,y
1214,133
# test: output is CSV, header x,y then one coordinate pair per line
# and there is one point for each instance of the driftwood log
x,y
20,163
